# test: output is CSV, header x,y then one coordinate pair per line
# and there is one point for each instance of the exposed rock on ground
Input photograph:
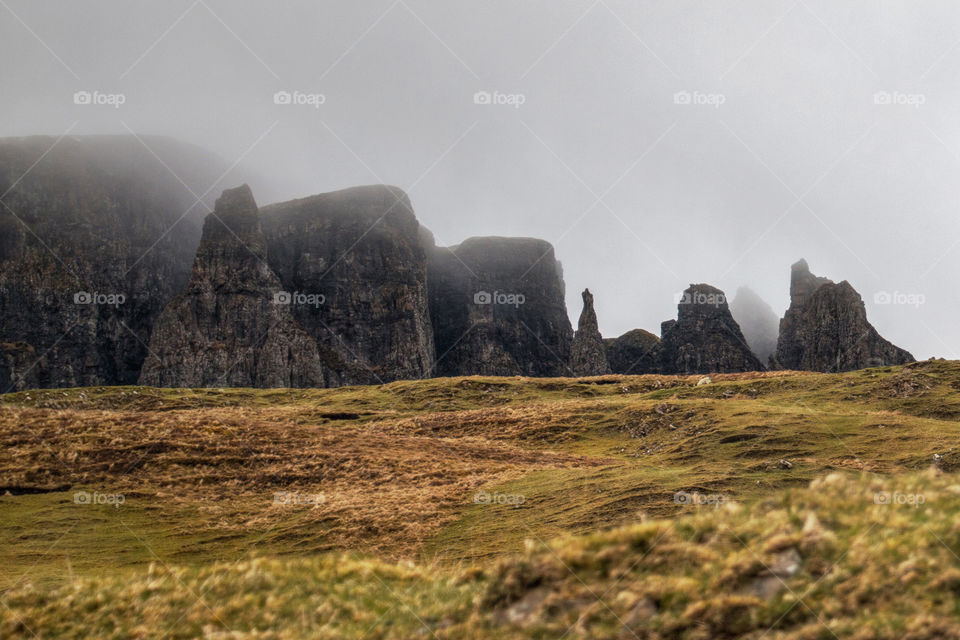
x,y
759,323
231,327
587,354
497,306
826,328
704,338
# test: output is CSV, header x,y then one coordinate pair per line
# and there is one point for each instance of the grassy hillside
x,y
461,496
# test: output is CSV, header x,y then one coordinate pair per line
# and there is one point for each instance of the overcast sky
x,y
814,129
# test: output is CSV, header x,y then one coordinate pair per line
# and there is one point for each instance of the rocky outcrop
x,y
497,306
634,353
826,328
704,338
588,356
360,250
759,323
231,327
97,234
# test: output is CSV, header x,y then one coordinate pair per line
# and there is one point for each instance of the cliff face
x,y
360,250
826,328
230,327
497,306
759,323
96,236
705,338
588,356
634,353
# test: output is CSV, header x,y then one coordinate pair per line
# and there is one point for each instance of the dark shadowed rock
x,y
230,328
85,221
759,323
497,306
361,249
588,356
705,338
826,328
634,353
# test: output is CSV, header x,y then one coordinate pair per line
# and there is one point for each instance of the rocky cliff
x,y
759,323
96,236
232,326
360,250
634,353
826,328
704,338
497,306
588,356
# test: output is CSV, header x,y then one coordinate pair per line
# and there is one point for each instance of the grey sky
x,y
801,159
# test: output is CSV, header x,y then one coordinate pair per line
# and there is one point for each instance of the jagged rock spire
x,y
588,356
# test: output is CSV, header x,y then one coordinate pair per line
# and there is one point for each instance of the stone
x,y
704,338
497,306
231,327
636,352
826,328
588,356
759,323
361,249
85,220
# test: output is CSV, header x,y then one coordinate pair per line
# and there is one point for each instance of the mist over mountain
x,y
723,150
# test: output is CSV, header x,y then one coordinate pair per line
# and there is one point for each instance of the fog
x,y
656,144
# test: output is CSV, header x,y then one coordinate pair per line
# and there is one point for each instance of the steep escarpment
x,y
704,338
97,234
497,306
359,251
826,328
588,355
232,326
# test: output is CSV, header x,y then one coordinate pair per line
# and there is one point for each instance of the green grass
x,y
400,465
